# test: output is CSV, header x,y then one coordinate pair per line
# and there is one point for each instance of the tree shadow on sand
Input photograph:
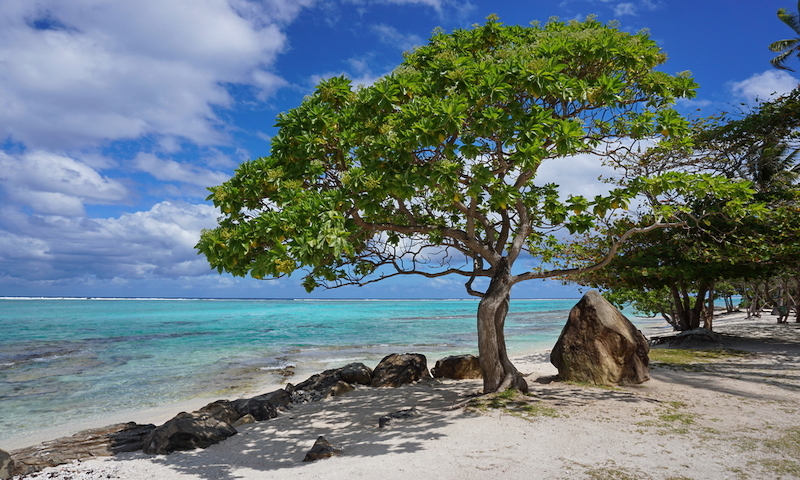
x,y
775,362
349,421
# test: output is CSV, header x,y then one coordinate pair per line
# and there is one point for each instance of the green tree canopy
x,y
431,171
671,270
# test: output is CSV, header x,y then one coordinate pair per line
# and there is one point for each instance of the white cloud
x,y
56,184
391,36
765,86
154,243
85,71
172,171
623,9
576,175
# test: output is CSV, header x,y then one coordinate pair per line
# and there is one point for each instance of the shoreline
x,y
733,417
530,361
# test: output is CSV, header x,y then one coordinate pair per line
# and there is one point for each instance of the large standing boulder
x,y
95,442
458,367
599,345
399,369
187,431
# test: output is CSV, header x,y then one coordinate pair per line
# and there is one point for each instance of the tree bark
x,y
498,372
681,317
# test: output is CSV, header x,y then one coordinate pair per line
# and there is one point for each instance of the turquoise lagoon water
x,y
65,360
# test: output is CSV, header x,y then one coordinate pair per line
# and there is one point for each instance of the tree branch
x,y
602,263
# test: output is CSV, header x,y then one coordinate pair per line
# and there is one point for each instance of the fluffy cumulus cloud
x,y
765,86
154,243
87,70
144,79
56,184
172,171
90,70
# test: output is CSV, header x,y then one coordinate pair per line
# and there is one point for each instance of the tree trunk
x,y
797,303
681,317
699,306
688,316
498,372
708,318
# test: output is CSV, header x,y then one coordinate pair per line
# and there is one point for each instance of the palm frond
x,y
780,60
790,19
782,45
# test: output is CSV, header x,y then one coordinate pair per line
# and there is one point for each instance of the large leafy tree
x,y
788,46
431,171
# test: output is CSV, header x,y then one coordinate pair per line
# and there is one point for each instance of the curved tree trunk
x,y
498,371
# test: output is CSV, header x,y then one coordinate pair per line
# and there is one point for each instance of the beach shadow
x,y
775,362
349,421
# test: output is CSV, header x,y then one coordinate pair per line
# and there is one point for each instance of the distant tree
x,y
675,271
760,146
789,46
431,171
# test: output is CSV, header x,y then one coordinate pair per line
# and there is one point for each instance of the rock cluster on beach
x,y
216,421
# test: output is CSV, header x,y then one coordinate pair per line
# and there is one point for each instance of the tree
x,y
789,46
671,271
430,171
674,271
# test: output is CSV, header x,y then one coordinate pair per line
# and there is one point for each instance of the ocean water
x,y
66,360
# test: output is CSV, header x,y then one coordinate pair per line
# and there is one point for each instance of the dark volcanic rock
x,y
399,369
222,410
263,407
322,449
457,367
6,465
385,420
599,345
96,442
187,431
321,382
356,373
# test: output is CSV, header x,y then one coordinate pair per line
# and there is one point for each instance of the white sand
x,y
736,418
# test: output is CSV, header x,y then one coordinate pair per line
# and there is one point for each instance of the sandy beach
x,y
734,417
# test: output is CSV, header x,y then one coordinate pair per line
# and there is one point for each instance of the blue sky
x,y
115,116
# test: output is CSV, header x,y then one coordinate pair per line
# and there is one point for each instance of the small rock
x,y
356,373
321,382
187,431
340,389
385,420
222,410
6,465
244,421
458,367
322,449
396,369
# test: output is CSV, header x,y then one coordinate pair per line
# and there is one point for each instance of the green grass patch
x,y
611,471
514,403
671,419
678,356
788,444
